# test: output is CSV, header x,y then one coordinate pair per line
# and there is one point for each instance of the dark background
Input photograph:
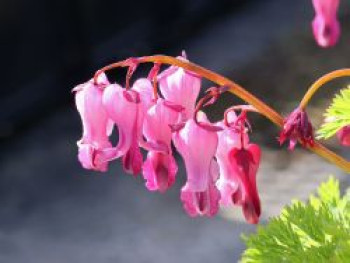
x,y
53,211
50,46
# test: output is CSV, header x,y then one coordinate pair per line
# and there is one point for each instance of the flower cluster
x,y
221,163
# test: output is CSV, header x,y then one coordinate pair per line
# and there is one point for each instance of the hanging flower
x,y
94,147
125,109
238,162
160,167
325,25
197,142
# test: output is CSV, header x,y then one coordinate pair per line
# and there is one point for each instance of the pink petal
x,y
245,163
160,168
229,138
199,195
159,171
180,87
144,87
125,109
201,203
96,123
196,154
132,159
157,120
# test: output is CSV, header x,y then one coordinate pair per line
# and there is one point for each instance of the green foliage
x,y
317,231
337,115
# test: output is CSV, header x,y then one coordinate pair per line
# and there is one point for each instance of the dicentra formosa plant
x,y
220,161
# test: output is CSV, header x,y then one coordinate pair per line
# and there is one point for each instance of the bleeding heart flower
x,y
180,87
344,135
238,162
160,167
197,144
94,147
125,109
325,25
297,127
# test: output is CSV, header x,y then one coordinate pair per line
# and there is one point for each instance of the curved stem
x,y
236,89
320,82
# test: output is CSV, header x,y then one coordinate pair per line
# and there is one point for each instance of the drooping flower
x,y
160,167
238,162
245,162
297,127
325,25
344,135
197,142
94,146
125,109
180,87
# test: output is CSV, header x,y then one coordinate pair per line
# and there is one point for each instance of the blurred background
x,y
51,210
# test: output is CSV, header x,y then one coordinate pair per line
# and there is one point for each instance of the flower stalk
x,y
320,82
243,94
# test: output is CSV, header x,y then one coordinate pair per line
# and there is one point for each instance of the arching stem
x,y
320,82
236,89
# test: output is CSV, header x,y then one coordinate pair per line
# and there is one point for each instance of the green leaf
x,y
317,231
337,115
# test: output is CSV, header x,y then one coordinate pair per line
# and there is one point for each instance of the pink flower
x,y
160,167
238,162
325,25
344,135
180,87
197,145
125,109
297,127
94,146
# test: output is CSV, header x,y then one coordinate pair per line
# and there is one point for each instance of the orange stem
x,y
320,82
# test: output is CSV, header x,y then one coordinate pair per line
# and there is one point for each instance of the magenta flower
x,y
344,135
297,127
94,147
197,142
180,87
245,162
238,162
125,109
160,167
325,25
